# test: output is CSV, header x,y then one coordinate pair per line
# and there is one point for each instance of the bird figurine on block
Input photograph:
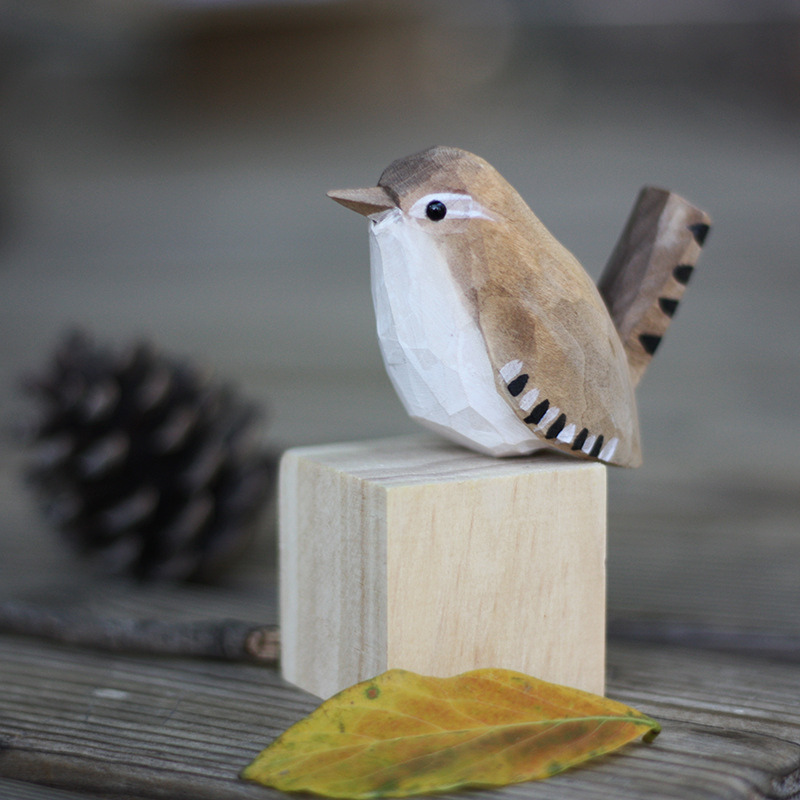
x,y
492,332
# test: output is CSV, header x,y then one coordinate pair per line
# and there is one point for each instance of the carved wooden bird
x,y
491,331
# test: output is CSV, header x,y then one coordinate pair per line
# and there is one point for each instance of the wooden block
x,y
415,553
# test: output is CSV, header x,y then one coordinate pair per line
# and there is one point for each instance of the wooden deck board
x,y
22,790
151,728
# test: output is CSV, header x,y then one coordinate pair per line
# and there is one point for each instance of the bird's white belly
x,y
432,347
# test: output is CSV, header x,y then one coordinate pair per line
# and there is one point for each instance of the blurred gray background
x,y
163,168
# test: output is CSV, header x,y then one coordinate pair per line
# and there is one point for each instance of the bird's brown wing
x,y
557,358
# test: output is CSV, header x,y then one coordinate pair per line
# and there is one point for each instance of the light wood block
x,y
415,553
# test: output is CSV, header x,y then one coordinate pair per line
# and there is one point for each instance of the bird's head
x,y
442,189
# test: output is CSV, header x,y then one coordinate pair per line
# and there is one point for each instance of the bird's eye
x,y
435,210
453,205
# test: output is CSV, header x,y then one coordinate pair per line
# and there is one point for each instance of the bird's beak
x,y
364,201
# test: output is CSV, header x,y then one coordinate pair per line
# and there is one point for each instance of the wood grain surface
x,y
149,728
417,554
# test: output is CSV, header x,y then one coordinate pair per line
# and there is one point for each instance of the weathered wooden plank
x,y
153,728
21,790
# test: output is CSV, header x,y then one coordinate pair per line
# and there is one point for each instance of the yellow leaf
x,y
403,734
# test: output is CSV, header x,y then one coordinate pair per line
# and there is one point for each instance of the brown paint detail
x,y
534,302
531,298
640,284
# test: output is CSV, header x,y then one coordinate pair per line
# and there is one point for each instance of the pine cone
x,y
144,463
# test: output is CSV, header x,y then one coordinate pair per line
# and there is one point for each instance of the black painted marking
x,y
699,231
682,273
556,427
536,415
650,342
580,439
598,446
517,385
668,305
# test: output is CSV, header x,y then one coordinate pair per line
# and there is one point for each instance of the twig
x,y
231,640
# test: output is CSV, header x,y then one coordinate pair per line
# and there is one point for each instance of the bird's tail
x,y
646,276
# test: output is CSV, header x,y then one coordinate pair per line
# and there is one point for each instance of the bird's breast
x,y
431,343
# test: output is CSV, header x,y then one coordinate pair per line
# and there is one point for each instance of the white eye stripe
x,y
459,206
